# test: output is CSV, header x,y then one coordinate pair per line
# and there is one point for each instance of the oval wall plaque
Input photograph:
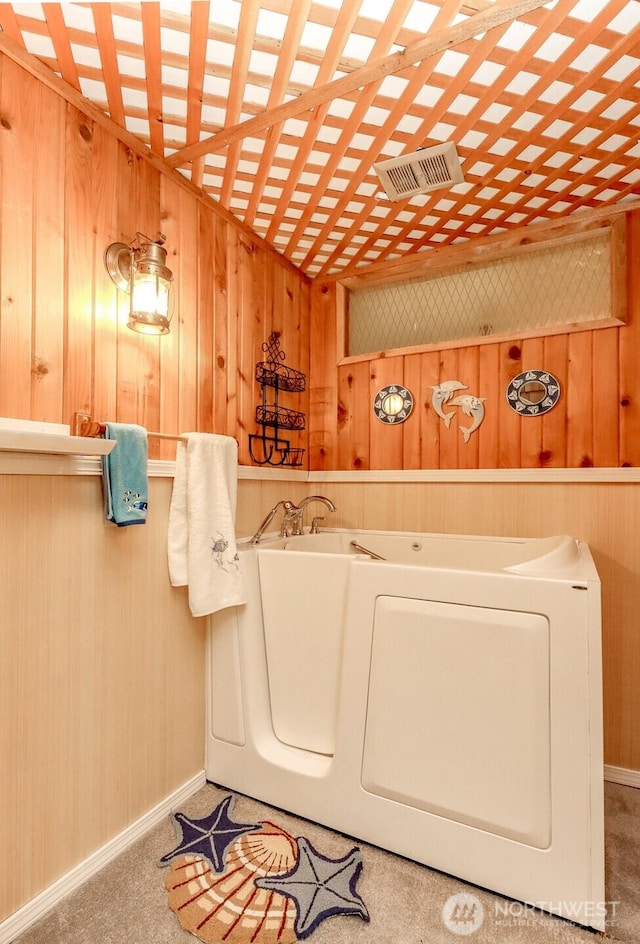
x,y
533,392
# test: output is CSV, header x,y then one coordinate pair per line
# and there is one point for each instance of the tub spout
x,y
295,516
318,498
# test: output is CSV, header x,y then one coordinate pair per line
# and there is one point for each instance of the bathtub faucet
x,y
288,507
293,518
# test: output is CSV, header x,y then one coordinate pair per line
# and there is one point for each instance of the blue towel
x,y
124,475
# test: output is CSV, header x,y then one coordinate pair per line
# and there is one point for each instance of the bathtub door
x,y
458,715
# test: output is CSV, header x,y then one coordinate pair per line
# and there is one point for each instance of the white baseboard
x,y
630,778
20,920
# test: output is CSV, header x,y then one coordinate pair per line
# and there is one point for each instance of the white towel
x,y
201,543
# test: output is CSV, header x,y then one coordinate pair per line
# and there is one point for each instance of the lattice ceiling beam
x,y
504,190
278,88
364,100
61,44
150,16
439,113
109,58
433,44
247,28
197,63
344,24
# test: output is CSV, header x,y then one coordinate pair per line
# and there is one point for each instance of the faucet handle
x,y
314,524
290,520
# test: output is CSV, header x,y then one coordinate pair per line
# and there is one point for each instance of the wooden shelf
x,y
18,440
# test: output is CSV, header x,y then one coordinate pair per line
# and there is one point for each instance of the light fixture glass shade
x,y
140,270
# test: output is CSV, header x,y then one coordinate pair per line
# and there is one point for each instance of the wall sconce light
x,y
140,270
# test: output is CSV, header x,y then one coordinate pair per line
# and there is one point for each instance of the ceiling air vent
x,y
427,169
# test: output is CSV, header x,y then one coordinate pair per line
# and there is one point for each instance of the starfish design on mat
x,y
208,837
320,887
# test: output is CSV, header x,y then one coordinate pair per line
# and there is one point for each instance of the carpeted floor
x,y
126,903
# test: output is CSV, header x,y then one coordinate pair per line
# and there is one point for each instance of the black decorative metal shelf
x,y
269,447
280,377
280,416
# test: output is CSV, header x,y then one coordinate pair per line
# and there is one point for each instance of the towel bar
x,y
84,425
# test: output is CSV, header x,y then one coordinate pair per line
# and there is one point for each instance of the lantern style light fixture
x,y
140,269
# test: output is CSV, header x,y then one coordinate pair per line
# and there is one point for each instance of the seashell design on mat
x,y
227,907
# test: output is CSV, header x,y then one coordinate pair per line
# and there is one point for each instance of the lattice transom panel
x,y
534,290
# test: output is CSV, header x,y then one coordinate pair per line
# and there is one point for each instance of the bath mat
x,y
254,883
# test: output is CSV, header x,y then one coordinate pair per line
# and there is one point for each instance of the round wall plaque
x,y
533,392
393,404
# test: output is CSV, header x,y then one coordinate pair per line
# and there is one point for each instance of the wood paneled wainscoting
x,y
102,701
102,708
601,507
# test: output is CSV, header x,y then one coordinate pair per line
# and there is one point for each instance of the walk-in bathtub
x,y
443,703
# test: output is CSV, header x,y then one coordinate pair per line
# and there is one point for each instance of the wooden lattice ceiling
x,y
278,109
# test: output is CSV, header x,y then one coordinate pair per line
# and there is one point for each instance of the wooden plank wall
x,y
595,423
68,189
102,702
